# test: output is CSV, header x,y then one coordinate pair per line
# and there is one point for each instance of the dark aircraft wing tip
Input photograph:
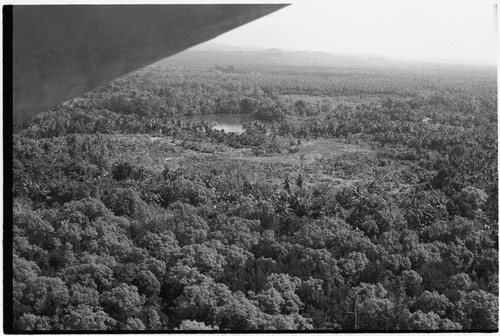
x,y
63,51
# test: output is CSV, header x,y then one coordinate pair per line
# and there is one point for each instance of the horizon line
x,y
388,57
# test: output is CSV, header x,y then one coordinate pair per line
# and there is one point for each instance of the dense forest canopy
x,y
367,200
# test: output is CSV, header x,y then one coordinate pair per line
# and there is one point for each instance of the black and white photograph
x,y
266,166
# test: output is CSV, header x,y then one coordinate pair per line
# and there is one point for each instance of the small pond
x,y
230,123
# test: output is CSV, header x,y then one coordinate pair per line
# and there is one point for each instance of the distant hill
x,y
215,54
233,59
223,47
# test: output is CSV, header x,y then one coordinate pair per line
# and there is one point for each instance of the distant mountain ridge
x,y
250,58
223,47
218,54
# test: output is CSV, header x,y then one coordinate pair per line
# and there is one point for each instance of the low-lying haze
x,y
444,31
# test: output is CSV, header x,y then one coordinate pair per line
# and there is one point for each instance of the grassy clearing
x,y
311,151
324,160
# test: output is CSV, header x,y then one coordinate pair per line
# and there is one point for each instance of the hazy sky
x,y
410,29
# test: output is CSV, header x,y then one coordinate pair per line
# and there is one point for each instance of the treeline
x,y
112,231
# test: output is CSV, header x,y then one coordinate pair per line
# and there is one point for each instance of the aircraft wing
x,y
63,51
